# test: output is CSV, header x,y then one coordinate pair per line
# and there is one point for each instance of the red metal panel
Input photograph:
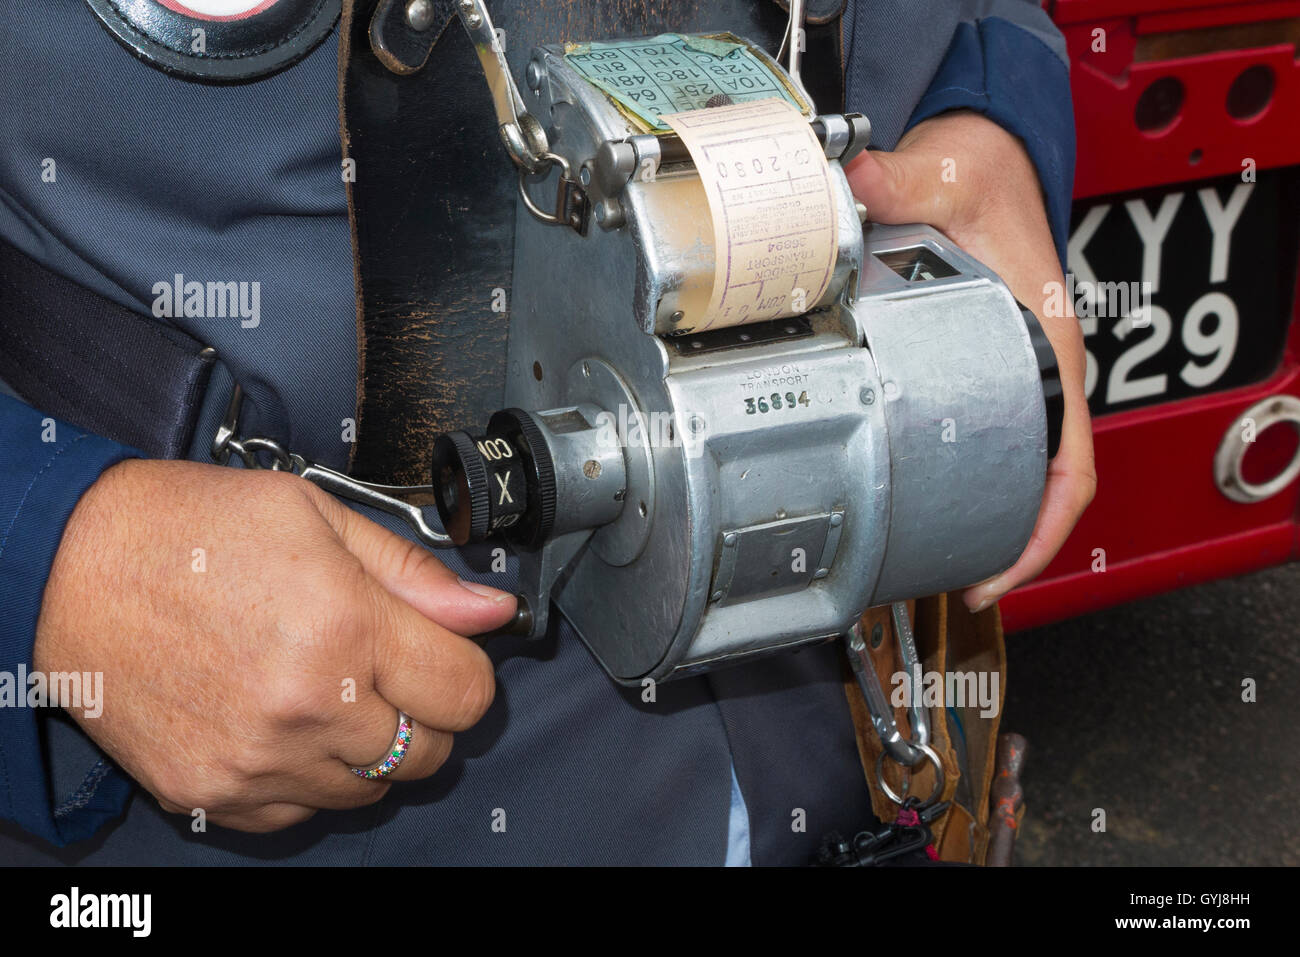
x,y
1217,16
1075,11
1045,602
1203,140
1158,518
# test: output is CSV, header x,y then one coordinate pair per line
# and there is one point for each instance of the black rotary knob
x,y
460,487
500,483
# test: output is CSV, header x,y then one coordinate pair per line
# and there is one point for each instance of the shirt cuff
x,y
999,69
45,467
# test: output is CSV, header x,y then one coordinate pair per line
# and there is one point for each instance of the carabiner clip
x,y
904,751
908,752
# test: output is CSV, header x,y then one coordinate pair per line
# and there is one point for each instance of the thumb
x,y
410,572
906,186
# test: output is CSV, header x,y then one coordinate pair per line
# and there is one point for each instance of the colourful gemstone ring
x,y
401,743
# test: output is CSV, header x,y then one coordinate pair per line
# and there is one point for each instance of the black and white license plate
x,y
1183,290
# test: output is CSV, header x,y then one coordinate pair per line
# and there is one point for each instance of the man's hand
x,y
967,177
245,679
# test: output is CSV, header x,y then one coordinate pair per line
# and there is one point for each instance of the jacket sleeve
x,y
45,467
1008,61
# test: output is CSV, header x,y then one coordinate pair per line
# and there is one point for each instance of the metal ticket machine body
x,y
690,497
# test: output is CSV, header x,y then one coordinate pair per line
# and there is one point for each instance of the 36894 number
x,y
769,403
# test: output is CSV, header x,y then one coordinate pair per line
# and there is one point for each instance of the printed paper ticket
x,y
774,215
674,72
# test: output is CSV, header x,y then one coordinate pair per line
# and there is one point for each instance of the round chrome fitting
x,y
1237,440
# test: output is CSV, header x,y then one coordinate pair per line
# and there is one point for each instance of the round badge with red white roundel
x,y
218,40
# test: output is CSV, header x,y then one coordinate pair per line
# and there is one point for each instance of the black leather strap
x,y
86,360
433,203
397,43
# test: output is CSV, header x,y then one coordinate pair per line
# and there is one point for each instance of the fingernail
x,y
988,595
485,591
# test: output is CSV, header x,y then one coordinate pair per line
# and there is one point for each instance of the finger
x,y
1056,518
440,679
410,572
427,750
906,186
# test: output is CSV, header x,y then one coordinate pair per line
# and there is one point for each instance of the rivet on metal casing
x,y
472,20
419,14
533,76
609,214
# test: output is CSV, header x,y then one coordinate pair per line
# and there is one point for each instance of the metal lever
x,y
383,497
524,138
386,498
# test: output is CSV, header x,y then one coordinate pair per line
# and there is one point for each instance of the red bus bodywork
x,y
1158,516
